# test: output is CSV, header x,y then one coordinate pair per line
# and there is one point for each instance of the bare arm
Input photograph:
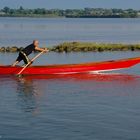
x,y
40,49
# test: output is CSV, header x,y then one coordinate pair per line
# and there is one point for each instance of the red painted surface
x,y
72,68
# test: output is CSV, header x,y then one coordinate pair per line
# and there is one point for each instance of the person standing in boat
x,y
23,54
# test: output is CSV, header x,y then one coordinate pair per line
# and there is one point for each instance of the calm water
x,y
21,31
73,107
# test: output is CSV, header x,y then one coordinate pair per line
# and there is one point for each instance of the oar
x,y
29,63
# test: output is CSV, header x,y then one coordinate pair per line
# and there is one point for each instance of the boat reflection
x,y
31,89
102,77
108,84
108,77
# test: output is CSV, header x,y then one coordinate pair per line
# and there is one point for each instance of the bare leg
x,y
15,63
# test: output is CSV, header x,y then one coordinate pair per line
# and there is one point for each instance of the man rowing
x,y
23,54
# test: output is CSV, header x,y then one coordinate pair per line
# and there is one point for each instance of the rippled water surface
x,y
73,107
70,107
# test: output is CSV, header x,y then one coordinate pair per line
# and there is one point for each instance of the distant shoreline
x,y
41,16
70,13
69,47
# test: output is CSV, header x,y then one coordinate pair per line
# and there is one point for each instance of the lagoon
x,y
73,107
52,31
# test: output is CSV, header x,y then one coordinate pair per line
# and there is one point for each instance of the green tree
x,y
6,10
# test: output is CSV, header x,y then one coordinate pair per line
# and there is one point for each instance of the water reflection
x,y
27,95
70,104
96,84
106,77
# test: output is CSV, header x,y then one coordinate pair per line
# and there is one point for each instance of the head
x,y
36,43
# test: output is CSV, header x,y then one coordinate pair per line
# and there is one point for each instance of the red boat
x,y
71,68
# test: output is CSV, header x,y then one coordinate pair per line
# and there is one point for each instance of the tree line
x,y
71,13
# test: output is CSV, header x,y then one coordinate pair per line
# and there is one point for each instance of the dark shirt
x,y
29,49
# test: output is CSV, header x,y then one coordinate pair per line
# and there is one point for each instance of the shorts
x,y
23,56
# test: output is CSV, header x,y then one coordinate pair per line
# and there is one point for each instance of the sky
x,y
71,4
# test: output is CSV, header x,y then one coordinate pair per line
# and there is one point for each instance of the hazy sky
x,y
63,4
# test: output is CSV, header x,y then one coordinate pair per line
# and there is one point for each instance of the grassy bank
x,y
94,47
82,47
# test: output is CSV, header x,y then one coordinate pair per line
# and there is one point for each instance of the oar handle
x,y
30,62
37,56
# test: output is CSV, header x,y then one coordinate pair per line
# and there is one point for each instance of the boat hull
x,y
72,68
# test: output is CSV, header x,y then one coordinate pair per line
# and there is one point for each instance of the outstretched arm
x,y
40,49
